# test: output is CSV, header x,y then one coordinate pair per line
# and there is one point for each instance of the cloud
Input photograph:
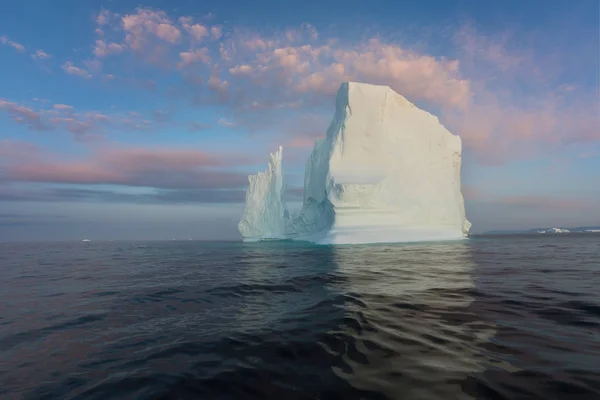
x,y
291,63
139,167
150,34
104,17
69,68
497,92
40,55
103,48
192,57
160,196
526,201
84,125
62,107
146,22
24,115
15,150
216,32
243,69
197,31
17,46
492,50
226,123
536,202
73,125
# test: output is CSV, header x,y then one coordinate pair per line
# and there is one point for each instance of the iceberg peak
x,y
386,171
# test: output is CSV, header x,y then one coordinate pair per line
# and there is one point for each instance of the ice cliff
x,y
386,171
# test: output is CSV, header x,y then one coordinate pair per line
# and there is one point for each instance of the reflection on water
x,y
286,283
414,332
487,318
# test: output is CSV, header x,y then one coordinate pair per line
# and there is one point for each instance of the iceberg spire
x,y
265,212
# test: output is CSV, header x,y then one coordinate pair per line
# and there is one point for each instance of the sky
x,y
129,120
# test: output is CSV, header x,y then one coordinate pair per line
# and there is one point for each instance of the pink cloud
x,y
85,125
218,85
73,125
15,150
492,50
134,159
498,129
417,76
191,57
240,70
97,116
76,172
197,31
62,107
71,69
319,69
146,23
168,32
216,32
545,202
477,93
17,46
104,17
161,168
24,115
40,55
104,49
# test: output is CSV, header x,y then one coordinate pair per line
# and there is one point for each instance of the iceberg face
x,y
386,171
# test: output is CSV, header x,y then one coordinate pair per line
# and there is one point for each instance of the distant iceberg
x,y
386,171
554,230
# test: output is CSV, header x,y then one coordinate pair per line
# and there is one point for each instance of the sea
x,y
491,317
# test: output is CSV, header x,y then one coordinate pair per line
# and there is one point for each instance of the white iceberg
x,y
554,230
386,171
265,213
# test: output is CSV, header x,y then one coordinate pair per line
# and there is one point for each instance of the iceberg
x,y
265,212
554,230
386,171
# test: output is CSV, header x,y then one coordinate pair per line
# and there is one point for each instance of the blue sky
x,y
141,121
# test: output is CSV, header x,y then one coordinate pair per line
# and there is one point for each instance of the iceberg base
x,y
375,234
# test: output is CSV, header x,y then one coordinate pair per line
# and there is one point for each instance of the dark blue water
x,y
515,317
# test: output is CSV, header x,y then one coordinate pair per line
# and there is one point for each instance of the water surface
x,y
506,317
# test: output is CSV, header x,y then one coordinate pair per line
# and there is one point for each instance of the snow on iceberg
x,y
386,171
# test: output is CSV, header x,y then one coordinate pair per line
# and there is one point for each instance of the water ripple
x,y
492,318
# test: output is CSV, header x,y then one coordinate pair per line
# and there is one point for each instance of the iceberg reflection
x,y
414,335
